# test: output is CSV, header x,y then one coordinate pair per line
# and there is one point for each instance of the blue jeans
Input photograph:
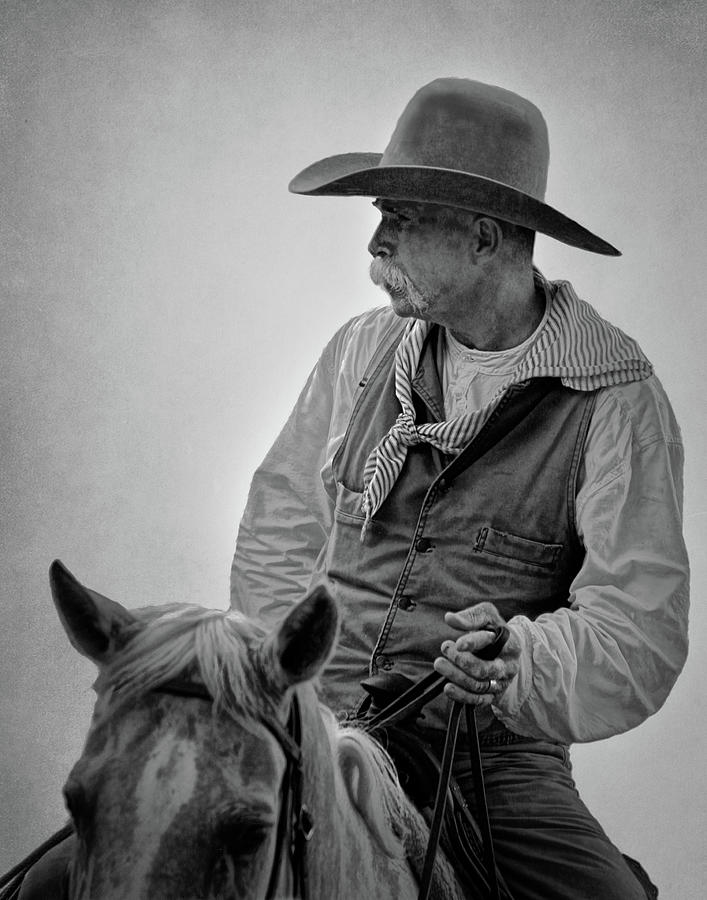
x,y
548,845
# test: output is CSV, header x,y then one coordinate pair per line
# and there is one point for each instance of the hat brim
x,y
360,174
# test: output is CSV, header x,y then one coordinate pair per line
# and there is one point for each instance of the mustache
x,y
385,273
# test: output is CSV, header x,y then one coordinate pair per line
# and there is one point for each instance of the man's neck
x,y
502,315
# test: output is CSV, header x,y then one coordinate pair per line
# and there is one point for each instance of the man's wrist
x,y
511,701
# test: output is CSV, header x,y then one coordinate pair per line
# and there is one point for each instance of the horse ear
x,y
306,637
94,624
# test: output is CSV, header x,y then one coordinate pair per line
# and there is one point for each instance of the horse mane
x,y
370,781
216,648
186,641
375,791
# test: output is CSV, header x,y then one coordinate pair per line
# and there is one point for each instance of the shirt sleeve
x,y
609,660
289,511
287,516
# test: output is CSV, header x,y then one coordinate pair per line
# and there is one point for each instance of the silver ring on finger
x,y
485,686
493,686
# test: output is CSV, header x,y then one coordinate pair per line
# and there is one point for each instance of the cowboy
x,y
485,450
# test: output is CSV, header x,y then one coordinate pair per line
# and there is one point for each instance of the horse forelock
x,y
211,647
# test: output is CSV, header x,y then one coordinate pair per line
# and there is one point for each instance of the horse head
x,y
210,764
177,793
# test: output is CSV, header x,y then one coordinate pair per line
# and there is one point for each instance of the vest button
x,y
406,603
424,545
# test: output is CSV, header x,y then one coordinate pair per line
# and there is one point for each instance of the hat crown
x,y
476,128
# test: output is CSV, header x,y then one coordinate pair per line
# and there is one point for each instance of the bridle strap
x,y
302,821
295,818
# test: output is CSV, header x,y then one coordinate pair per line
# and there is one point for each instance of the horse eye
x,y
242,838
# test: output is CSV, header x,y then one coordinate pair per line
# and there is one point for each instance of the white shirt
x,y
471,378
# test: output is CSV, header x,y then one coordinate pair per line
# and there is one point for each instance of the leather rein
x,y
412,701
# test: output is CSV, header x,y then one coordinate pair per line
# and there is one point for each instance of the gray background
x,y
163,298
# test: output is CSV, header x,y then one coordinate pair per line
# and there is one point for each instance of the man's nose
x,y
380,244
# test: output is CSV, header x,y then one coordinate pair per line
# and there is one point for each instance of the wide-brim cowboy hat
x,y
464,144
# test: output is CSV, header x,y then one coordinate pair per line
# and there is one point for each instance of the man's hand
x,y
473,680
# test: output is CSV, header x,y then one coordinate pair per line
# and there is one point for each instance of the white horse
x,y
189,785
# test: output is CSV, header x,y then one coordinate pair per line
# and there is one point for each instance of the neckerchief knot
x,y
403,432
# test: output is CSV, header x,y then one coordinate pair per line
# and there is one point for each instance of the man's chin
x,y
399,301
400,304
403,311
402,307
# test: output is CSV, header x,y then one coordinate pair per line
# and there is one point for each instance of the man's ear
x,y
95,625
486,238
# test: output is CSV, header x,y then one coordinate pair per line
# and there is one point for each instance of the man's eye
x,y
393,214
399,218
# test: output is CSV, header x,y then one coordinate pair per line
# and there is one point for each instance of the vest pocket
x,y
520,549
348,506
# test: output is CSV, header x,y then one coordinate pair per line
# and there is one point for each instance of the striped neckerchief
x,y
573,343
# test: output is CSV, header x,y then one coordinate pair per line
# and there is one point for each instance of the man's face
x,y
420,259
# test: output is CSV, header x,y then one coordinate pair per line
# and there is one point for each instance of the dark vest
x,y
496,523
